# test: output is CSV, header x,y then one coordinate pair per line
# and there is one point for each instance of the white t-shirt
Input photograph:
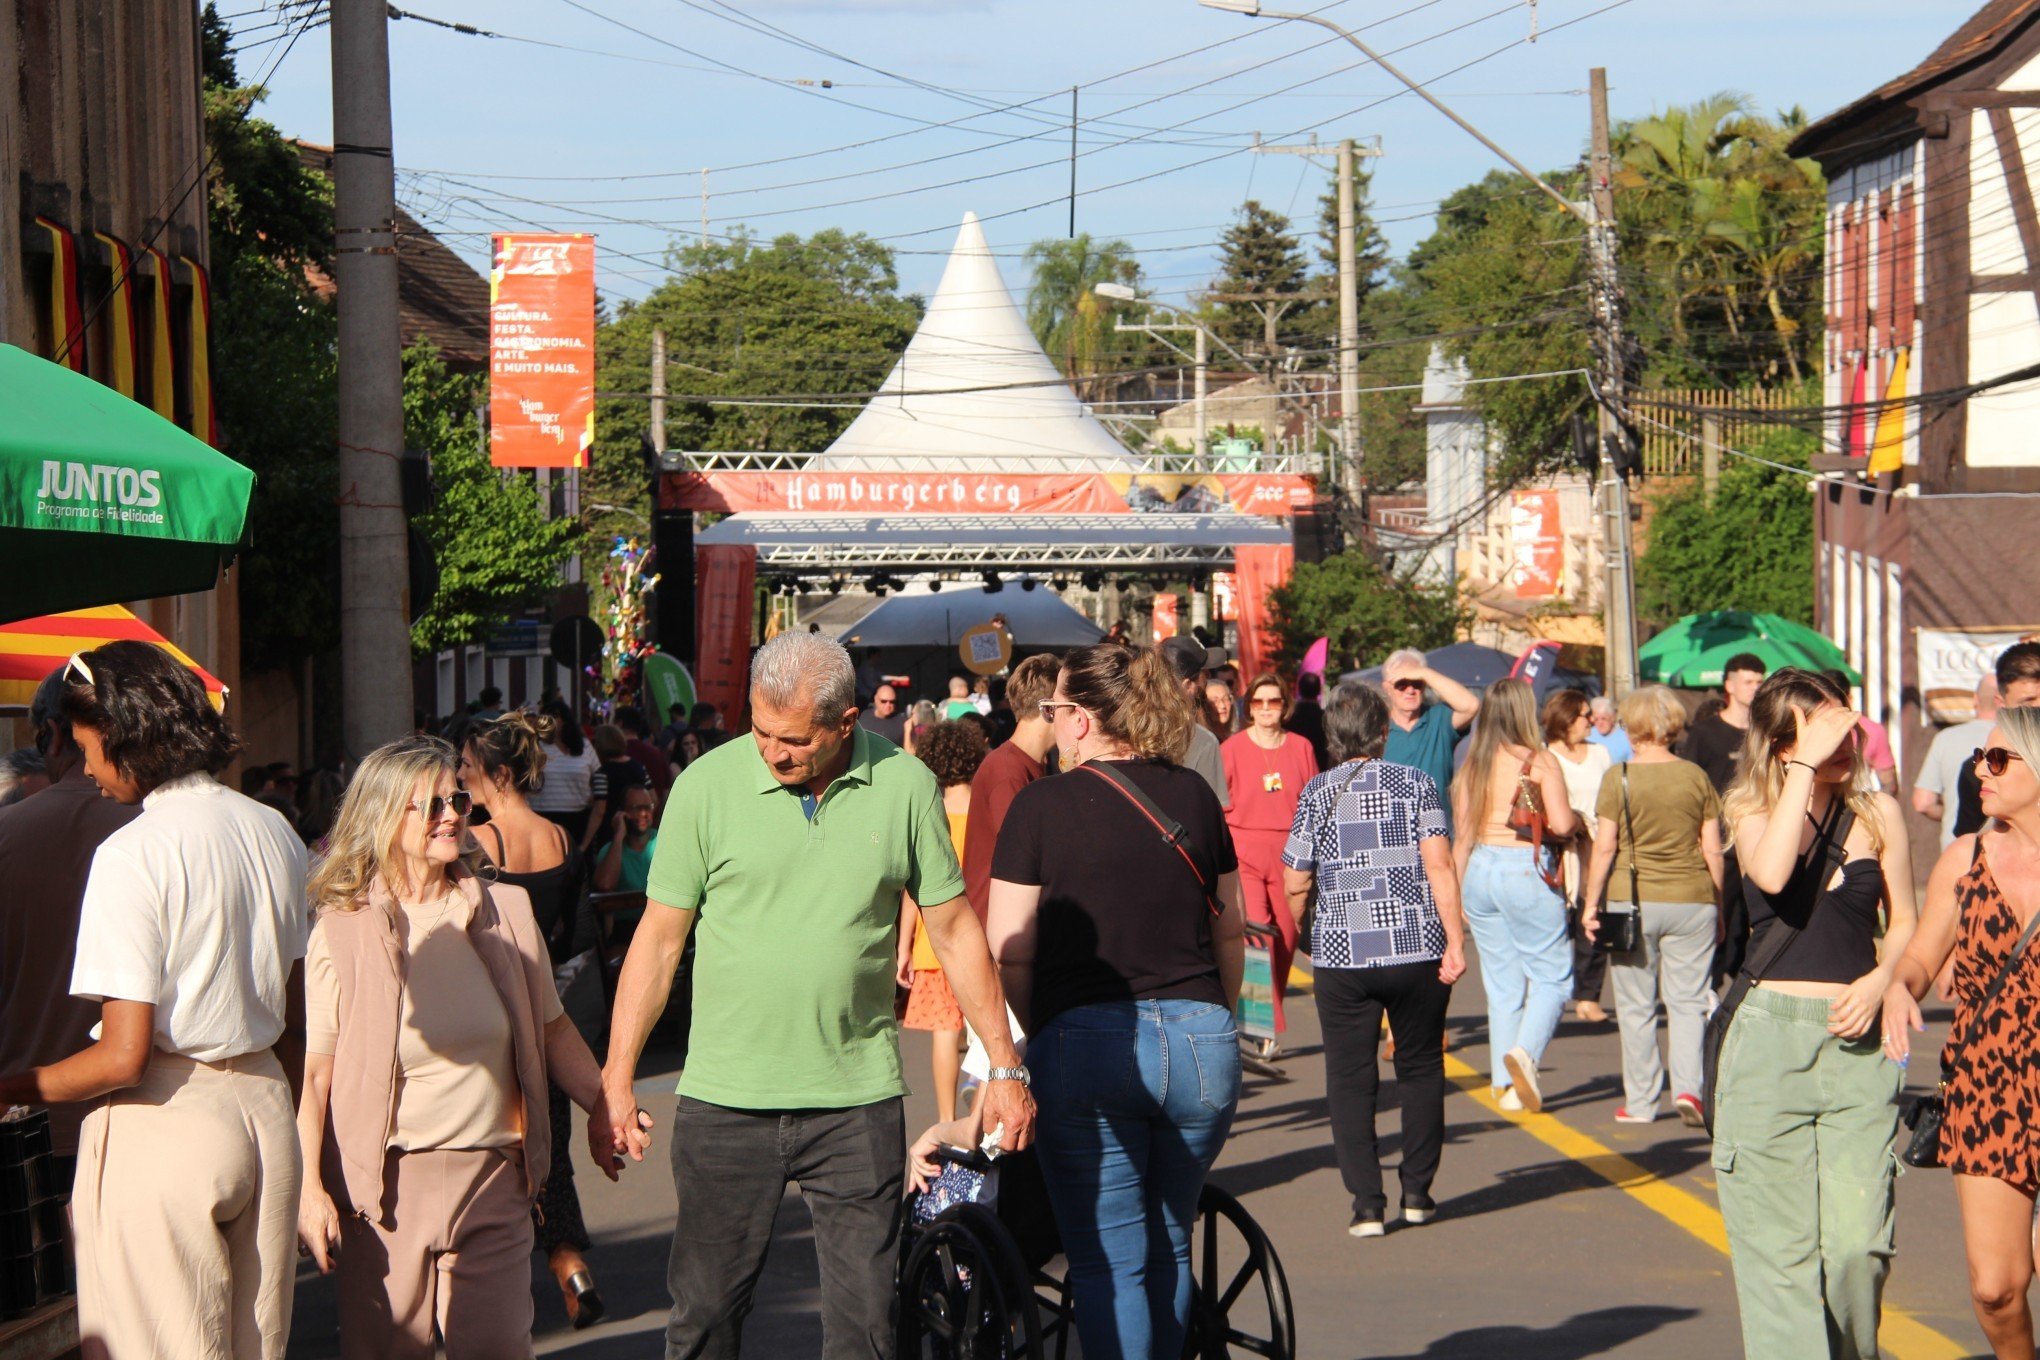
x,y
1583,780
564,786
197,907
1941,771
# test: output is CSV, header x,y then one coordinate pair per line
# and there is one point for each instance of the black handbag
x,y
1923,1120
1621,932
1830,844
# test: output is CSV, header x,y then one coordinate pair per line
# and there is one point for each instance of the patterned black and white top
x,y
1360,828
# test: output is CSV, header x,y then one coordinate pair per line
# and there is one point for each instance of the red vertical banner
x,y
723,580
162,357
67,325
1165,615
1256,571
120,317
542,351
1536,545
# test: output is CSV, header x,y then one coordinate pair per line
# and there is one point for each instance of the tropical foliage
x,y
1066,314
1748,547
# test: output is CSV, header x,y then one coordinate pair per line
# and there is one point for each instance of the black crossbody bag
x,y
1923,1119
1830,844
1621,932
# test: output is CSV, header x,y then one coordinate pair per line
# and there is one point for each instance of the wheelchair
x,y
975,1282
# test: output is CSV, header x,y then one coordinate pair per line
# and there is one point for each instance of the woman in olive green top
x,y
1657,848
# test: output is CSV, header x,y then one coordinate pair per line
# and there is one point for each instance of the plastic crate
x,y
35,1252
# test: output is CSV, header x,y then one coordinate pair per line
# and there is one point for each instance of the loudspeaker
x,y
673,599
1315,530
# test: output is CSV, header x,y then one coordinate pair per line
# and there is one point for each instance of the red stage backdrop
x,y
1258,570
723,579
542,351
982,493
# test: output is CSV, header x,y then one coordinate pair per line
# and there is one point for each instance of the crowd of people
x,y
274,1023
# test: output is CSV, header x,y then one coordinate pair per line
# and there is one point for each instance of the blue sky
x,y
1163,161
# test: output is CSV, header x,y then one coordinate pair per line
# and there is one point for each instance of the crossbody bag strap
x,y
1629,829
1170,829
1990,996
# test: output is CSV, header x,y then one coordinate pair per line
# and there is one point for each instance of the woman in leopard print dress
x,y
1983,893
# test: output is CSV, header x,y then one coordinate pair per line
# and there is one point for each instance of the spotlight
x,y
1027,583
1060,584
835,586
993,585
935,584
1094,581
800,587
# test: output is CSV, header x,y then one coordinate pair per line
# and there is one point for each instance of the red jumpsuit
x,y
1265,785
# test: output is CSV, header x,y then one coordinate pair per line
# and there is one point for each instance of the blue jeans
x,y
1518,925
1135,1099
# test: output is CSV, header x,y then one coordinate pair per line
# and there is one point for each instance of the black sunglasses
x,y
1995,759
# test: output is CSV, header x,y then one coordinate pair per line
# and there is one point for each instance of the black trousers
x,y
1589,969
731,1168
1351,1002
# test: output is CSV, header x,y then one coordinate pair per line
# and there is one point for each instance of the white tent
x,y
975,392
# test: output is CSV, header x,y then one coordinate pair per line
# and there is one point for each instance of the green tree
x,y
1751,547
496,551
820,316
1366,611
1370,247
1069,319
1262,269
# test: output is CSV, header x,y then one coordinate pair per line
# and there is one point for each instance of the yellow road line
x,y
1902,1336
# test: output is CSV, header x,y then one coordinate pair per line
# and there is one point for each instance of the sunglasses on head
x,y
76,667
460,800
1996,759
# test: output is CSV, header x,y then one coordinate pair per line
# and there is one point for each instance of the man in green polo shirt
x,y
786,855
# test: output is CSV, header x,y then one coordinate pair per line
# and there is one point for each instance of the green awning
x,y
103,500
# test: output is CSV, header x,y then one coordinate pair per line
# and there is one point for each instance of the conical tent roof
x,y
975,392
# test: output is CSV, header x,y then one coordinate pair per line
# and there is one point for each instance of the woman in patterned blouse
x,y
1388,937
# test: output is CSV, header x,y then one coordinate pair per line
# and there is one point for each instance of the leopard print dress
x,y
1992,1126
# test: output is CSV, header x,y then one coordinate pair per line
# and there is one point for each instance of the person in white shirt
x,y
1935,790
190,939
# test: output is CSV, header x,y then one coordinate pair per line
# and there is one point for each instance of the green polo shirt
x,y
793,965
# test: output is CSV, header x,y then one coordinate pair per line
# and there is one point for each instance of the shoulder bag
x,y
1923,1119
1169,828
1830,844
1621,932
1526,819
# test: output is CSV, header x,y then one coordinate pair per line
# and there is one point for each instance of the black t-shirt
x,y
1716,747
1307,720
1122,917
612,778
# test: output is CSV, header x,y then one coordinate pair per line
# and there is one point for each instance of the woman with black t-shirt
x,y
1123,955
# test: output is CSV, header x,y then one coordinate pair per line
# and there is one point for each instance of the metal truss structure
x,y
1154,463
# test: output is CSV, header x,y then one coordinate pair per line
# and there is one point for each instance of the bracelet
x,y
1814,768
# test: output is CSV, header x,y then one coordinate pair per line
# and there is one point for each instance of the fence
x,y
1675,452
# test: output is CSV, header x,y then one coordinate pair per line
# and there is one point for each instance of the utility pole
x,y
704,205
658,390
1203,391
375,638
1348,153
1073,162
1610,361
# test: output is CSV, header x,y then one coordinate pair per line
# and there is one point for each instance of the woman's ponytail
x,y
1134,696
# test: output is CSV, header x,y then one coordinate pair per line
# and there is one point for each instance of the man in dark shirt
x,y
1715,742
638,746
46,845
1307,718
1012,765
883,716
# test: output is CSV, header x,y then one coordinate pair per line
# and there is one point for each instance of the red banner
x,y
1537,543
67,328
1256,571
1165,615
723,580
983,493
542,351
120,317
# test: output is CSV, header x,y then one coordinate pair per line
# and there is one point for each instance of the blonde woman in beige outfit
x,y
431,1025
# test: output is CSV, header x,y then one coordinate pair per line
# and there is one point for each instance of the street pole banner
x,y
1537,543
542,351
724,579
984,493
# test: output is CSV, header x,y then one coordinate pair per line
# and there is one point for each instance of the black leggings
x,y
1350,1004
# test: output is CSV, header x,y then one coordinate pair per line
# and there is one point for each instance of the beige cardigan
x,y
362,1106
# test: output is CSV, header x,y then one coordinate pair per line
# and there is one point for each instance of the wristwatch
x,y
1018,1074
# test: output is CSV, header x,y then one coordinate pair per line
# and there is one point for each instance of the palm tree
x,y
1066,316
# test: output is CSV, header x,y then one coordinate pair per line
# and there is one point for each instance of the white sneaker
x,y
1523,1069
1367,1227
1509,1100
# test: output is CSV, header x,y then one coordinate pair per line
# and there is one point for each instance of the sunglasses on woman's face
x,y
1264,703
1995,759
460,800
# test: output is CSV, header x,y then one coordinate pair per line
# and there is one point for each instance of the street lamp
x,y
1252,9
1119,292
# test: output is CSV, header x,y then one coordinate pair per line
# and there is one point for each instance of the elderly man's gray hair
x,y
1601,706
1404,656
805,666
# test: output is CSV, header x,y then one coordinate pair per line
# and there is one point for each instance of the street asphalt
x,y
1560,1236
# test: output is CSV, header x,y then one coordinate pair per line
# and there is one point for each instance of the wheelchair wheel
x,y
1240,1305
965,1293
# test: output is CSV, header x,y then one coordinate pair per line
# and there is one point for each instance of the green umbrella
x,y
1692,652
103,500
